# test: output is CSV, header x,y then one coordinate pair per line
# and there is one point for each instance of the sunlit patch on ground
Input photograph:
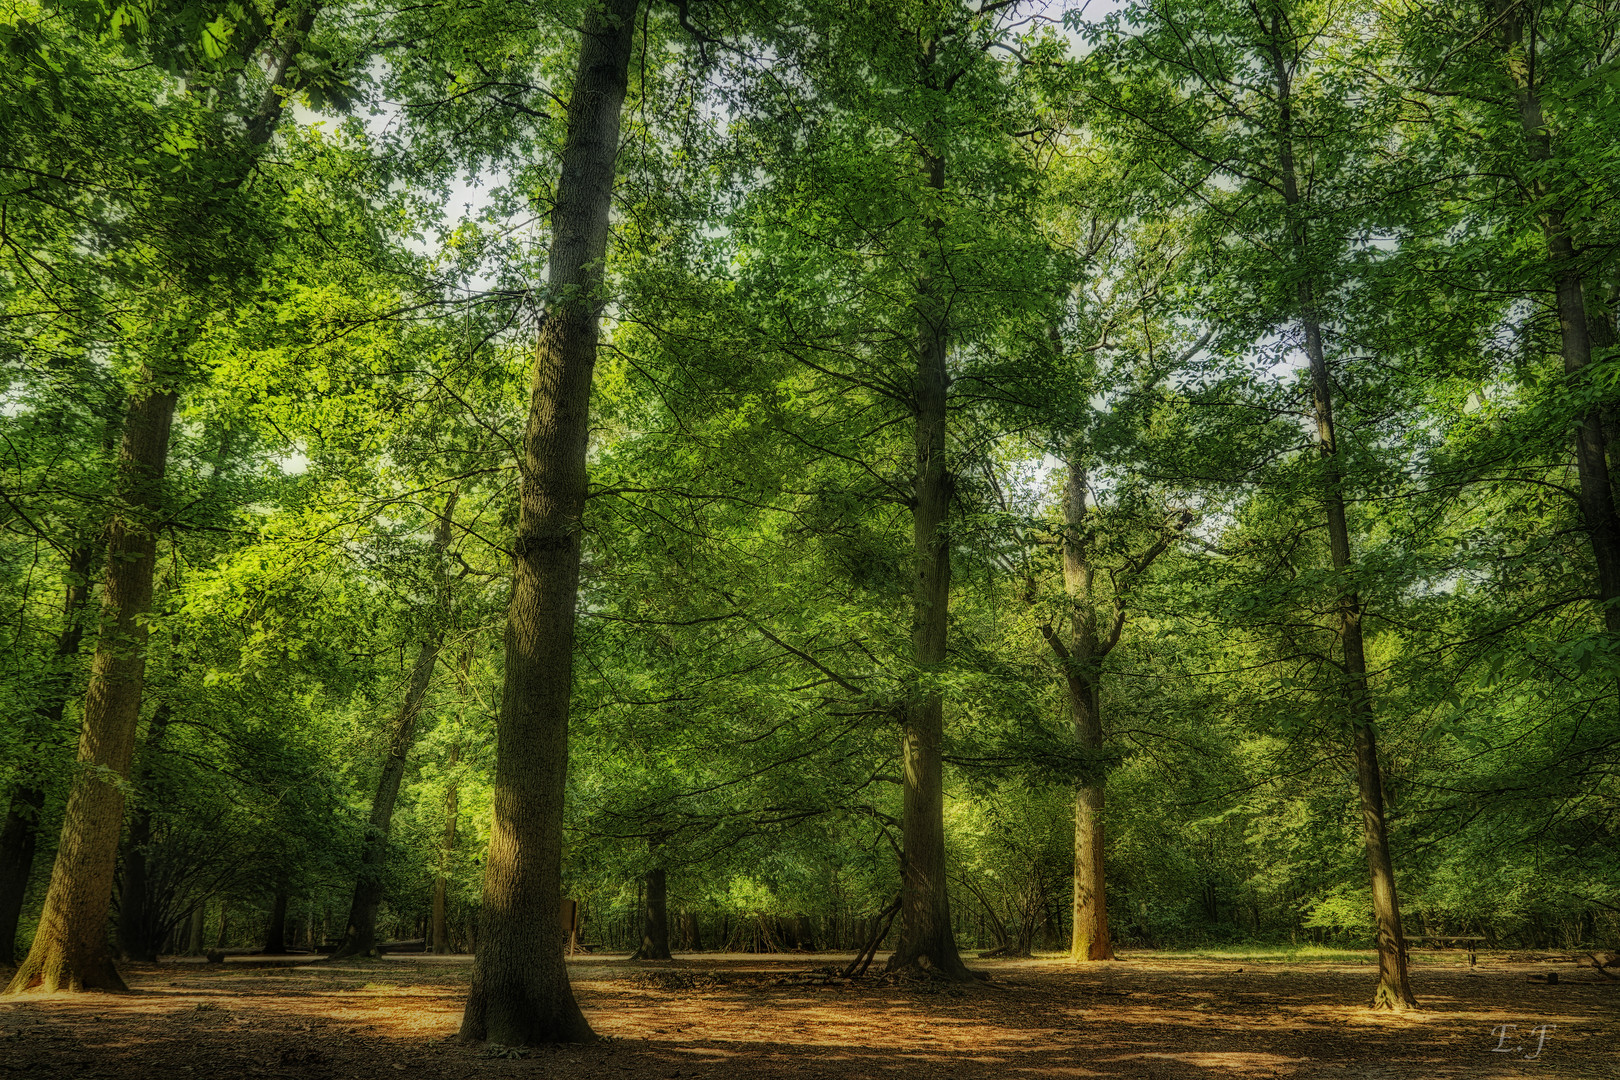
x,y
1150,1018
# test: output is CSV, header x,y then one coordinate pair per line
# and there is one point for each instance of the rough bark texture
x,y
360,935
655,928
927,942
1394,987
140,935
520,993
70,949
19,836
275,937
1596,494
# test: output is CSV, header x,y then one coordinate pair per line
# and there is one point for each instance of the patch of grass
x,y
1294,954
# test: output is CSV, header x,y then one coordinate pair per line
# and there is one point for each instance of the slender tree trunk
x,y
194,938
137,921
447,849
360,936
1596,495
275,938
655,926
1082,661
19,836
927,942
70,947
1394,987
520,993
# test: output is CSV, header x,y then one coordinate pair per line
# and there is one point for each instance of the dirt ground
x,y
715,1016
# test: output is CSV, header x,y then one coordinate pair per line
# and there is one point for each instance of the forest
x,y
1001,497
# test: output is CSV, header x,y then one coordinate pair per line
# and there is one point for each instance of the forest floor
x,y
1145,1017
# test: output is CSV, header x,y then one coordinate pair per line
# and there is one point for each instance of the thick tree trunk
x,y
655,925
360,936
138,930
520,993
926,939
1394,987
70,947
447,849
19,836
275,938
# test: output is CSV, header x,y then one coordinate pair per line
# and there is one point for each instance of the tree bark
x,y
19,836
275,938
520,993
1394,987
360,936
655,925
70,949
1082,661
194,939
139,936
927,942
447,849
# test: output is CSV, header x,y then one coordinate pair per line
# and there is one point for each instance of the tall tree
x,y
1189,63
520,993
360,934
69,949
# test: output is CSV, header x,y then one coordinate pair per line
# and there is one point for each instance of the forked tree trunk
x,y
70,949
1394,987
19,836
360,935
275,937
655,924
137,924
520,993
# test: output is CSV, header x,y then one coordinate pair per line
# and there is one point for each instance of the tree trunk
x,y
926,939
1394,987
1596,495
520,993
655,929
1082,662
194,937
360,936
19,836
447,848
70,947
70,950
137,923
275,938
692,931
